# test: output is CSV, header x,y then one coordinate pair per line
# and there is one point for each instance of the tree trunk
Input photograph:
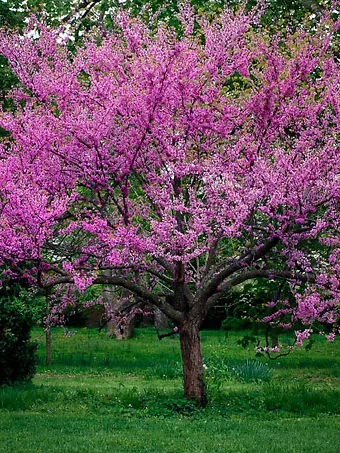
x,y
193,371
48,347
275,340
122,324
161,321
121,327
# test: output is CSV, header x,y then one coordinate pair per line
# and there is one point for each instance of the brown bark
x,y
193,371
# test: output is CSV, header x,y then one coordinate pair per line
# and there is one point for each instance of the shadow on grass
x,y
267,399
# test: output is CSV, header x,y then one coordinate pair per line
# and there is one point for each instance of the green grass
x,y
104,395
107,434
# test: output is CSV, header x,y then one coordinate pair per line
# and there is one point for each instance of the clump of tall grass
x,y
251,371
301,398
25,397
246,371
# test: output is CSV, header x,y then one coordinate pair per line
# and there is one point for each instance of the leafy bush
x,y
249,304
17,352
236,324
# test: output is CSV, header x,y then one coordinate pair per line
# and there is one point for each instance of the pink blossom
x,y
331,336
302,335
135,154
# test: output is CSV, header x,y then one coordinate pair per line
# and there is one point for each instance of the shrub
x,y
17,352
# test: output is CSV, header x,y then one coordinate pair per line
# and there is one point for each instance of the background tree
x,y
185,165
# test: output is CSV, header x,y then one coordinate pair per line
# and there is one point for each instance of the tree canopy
x,y
185,164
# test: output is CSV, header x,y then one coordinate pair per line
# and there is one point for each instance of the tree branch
x,y
237,265
259,273
140,291
210,258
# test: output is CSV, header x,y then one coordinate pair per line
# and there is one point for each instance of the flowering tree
x,y
176,166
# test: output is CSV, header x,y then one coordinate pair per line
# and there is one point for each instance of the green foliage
x,y
11,14
247,340
236,324
85,15
249,306
17,352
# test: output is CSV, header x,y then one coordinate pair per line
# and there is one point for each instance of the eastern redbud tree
x,y
177,165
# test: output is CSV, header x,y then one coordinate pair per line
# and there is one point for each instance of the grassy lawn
x,y
104,395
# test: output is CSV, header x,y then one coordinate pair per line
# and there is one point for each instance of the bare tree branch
x,y
138,290
259,273
210,258
236,266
